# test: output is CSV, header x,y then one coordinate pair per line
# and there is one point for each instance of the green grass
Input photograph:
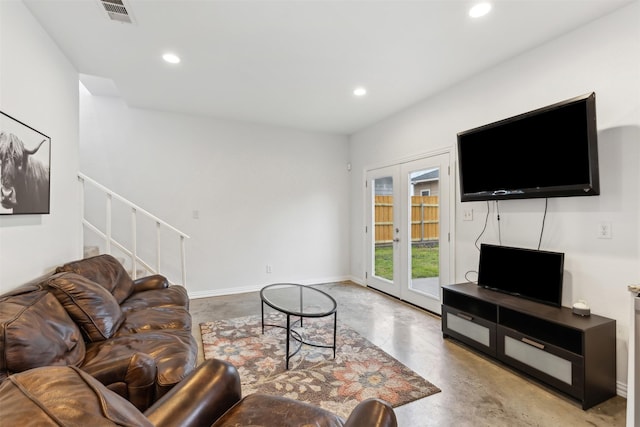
x,y
424,262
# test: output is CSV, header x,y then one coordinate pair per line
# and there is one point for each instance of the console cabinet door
x,y
554,365
471,330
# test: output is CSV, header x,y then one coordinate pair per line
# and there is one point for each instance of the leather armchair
x,y
209,396
188,405
257,410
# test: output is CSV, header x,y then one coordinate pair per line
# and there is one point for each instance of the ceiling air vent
x,y
117,10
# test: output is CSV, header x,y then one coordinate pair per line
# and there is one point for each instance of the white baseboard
x,y
621,389
221,292
256,288
357,280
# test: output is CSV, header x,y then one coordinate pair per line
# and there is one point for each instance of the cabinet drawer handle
x,y
464,316
533,343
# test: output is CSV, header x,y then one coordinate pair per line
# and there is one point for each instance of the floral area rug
x,y
359,371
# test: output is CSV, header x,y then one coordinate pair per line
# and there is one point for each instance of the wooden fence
x,y
425,219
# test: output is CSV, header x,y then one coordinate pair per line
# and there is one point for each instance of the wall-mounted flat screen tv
x,y
548,152
527,273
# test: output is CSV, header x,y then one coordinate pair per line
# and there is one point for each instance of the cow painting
x,y
24,179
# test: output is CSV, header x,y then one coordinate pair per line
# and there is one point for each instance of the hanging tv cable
x,y
484,228
486,220
544,217
498,216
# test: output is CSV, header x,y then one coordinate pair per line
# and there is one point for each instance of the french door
x,y
408,229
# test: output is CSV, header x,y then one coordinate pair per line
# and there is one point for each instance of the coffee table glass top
x,y
298,300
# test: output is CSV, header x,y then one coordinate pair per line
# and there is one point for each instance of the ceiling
x,y
295,63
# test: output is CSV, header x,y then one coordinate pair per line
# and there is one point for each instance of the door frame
x,y
452,207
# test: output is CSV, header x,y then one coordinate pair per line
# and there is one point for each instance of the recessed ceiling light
x,y
171,58
479,10
360,91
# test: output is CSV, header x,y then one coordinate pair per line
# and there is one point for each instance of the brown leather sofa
x,y
88,346
210,396
132,336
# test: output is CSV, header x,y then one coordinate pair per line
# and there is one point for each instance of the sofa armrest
x,y
201,398
155,281
132,376
372,413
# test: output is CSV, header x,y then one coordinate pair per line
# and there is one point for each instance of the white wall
x,y
601,57
39,87
264,195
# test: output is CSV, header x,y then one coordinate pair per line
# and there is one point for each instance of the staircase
x,y
130,233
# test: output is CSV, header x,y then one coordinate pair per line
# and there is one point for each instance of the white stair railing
x,y
136,211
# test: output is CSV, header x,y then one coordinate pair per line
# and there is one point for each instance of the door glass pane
x,y
425,231
383,227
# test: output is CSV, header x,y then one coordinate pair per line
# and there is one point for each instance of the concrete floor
x,y
476,391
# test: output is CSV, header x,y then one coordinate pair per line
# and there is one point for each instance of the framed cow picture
x,y
25,160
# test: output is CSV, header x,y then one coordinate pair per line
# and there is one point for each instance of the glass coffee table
x,y
299,301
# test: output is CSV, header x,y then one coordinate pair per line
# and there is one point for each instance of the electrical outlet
x,y
269,270
467,215
604,230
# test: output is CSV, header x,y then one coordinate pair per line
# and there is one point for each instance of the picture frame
x,y
25,168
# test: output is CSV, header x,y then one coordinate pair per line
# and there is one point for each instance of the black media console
x,y
574,354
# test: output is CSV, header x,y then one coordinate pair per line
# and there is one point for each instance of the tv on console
x,y
548,152
527,273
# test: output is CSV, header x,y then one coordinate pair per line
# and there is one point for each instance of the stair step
x,y
91,251
141,272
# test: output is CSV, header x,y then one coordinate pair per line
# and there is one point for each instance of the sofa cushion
x,y
174,351
155,318
91,306
35,330
173,296
104,270
165,308
63,396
